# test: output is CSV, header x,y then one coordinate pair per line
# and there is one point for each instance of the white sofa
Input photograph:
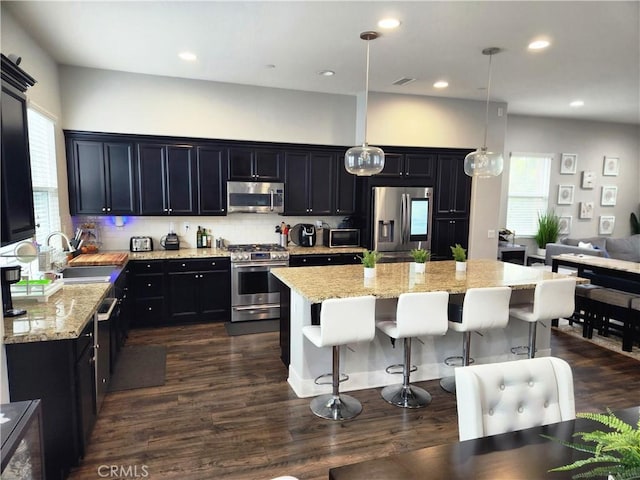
x,y
626,248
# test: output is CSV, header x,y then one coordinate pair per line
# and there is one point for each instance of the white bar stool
x,y
342,321
482,309
417,314
553,298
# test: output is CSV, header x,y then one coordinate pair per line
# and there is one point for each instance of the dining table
x,y
523,454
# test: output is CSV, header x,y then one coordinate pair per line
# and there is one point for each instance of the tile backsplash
x,y
234,228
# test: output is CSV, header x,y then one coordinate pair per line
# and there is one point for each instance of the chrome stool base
x,y
448,384
336,407
408,396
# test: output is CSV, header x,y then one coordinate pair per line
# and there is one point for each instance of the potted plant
x,y
548,230
460,256
616,453
369,260
420,256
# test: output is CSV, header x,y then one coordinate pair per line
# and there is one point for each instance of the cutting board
x,y
87,259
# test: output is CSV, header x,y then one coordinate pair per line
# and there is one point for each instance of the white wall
x,y
591,141
45,96
131,103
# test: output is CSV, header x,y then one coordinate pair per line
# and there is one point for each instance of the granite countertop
x,y
219,252
63,317
392,279
593,261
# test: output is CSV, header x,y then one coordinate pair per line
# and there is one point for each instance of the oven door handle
x,y
264,306
262,265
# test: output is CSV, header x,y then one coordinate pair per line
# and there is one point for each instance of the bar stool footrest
x,y
318,380
457,361
398,368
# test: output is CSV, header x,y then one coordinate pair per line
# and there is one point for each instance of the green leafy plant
x,y
616,452
548,228
459,253
420,255
370,258
635,224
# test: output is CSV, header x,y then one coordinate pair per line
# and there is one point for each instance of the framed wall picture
x,y
565,194
564,225
586,209
568,163
607,223
609,196
588,179
610,166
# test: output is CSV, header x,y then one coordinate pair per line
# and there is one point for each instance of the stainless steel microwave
x,y
255,197
341,237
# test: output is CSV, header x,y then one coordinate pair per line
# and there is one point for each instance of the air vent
x,y
404,81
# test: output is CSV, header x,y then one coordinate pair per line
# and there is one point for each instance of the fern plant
x,y
370,258
615,453
459,253
420,256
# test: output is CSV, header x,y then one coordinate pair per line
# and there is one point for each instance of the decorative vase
x,y
419,267
461,266
542,252
369,272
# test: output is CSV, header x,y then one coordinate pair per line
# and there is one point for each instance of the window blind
x,y
44,176
528,191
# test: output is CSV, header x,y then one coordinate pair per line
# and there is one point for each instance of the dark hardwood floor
x,y
226,412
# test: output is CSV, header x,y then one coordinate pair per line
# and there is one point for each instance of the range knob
x,y
246,256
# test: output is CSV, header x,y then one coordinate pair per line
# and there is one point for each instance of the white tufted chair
x,y
342,321
417,314
482,309
553,298
503,397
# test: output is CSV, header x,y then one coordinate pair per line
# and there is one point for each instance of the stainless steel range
x,y
254,293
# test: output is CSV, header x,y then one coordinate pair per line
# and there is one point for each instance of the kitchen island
x,y
365,363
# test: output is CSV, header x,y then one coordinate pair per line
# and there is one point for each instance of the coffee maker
x,y
9,276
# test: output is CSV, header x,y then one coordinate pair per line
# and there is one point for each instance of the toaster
x,y
141,244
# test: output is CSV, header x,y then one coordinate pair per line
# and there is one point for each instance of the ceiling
x,y
594,54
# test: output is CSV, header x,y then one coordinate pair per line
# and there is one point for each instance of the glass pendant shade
x,y
483,164
364,160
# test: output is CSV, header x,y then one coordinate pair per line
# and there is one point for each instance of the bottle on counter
x,y
209,239
203,238
199,237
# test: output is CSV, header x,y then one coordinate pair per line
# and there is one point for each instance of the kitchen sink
x,y
92,274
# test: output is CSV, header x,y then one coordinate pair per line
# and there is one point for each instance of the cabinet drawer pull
x,y
149,284
183,265
149,308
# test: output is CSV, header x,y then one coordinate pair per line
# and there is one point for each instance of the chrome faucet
x,y
61,234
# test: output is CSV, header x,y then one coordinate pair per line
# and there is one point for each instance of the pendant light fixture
x,y
365,160
483,163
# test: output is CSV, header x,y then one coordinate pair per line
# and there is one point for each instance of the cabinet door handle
x,y
213,264
149,309
148,284
183,265
104,209
108,209
89,335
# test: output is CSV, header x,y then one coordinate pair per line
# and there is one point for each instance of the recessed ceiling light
x,y
326,73
539,44
577,103
441,84
188,56
389,23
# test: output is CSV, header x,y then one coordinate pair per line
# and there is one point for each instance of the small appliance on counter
x,y
303,235
341,237
170,241
141,244
9,276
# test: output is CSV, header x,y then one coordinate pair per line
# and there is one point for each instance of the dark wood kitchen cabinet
x,y
345,186
448,232
254,164
61,373
18,221
147,287
309,183
101,177
409,165
166,179
199,290
323,260
212,180
453,188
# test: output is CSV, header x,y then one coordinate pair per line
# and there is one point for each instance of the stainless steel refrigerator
x,y
402,220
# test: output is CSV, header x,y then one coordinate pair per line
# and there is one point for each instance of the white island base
x,y
365,363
